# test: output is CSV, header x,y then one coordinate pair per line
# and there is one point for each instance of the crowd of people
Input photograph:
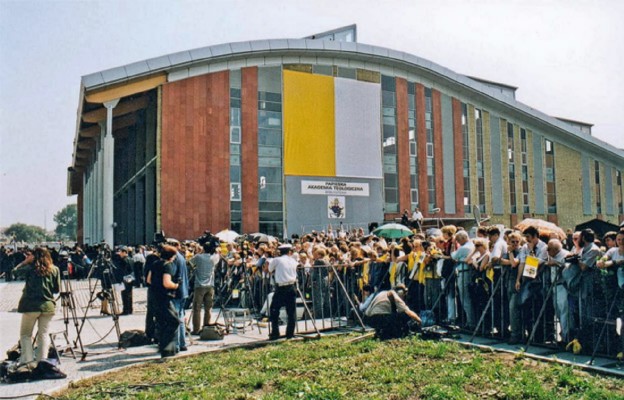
x,y
513,285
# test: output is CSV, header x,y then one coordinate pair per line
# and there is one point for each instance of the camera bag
x,y
211,332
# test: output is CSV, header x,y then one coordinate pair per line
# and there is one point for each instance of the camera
x,y
209,242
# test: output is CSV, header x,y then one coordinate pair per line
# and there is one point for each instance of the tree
x,y
26,233
66,222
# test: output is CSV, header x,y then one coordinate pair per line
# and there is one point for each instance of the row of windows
x,y
388,104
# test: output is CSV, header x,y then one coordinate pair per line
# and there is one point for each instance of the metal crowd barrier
x,y
478,306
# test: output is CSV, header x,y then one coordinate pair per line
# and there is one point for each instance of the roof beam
x,y
126,89
90,132
123,108
85,144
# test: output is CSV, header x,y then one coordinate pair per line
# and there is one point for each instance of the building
x,y
284,136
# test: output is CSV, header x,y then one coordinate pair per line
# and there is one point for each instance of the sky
x,y
566,57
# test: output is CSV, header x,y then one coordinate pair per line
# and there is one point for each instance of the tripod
x,y
69,311
103,266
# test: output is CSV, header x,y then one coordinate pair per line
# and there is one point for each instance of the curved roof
x,y
312,47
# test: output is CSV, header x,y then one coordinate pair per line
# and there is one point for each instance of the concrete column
x,y
85,206
108,164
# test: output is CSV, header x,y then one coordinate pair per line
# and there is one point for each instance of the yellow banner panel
x,y
308,110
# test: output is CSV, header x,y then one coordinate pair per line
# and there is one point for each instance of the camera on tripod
x,y
209,242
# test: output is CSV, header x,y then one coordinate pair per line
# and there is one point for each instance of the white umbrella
x,y
227,236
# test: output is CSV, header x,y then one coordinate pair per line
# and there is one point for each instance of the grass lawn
x,y
331,368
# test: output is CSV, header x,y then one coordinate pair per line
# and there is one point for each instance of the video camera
x,y
209,242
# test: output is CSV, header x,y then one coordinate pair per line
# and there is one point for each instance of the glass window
x,y
235,192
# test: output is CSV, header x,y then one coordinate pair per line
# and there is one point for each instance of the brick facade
x,y
195,156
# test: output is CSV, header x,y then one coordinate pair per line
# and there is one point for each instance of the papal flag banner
x,y
332,126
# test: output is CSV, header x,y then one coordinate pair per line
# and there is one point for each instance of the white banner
x,y
335,188
336,207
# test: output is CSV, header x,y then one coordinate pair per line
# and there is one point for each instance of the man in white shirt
x,y
284,269
556,260
387,313
417,218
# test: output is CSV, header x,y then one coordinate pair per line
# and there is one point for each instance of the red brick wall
x,y
249,150
437,150
195,156
421,140
403,146
458,142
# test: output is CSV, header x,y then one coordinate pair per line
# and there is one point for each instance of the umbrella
x,y
262,238
393,231
545,228
227,236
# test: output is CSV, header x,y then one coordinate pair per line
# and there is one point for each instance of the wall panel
x,y
195,155
403,145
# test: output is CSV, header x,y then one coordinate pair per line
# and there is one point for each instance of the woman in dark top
x,y
161,286
37,304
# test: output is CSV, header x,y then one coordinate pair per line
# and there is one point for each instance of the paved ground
x,y
102,354
98,336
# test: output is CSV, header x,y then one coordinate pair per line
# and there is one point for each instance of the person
x,y
405,218
163,290
138,260
388,314
284,269
179,272
37,304
464,272
417,219
614,260
150,313
556,261
510,262
126,266
203,291
499,250
529,290
582,304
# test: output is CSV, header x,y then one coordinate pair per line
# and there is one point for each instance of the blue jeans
x,y
179,305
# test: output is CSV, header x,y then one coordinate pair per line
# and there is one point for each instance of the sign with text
x,y
335,188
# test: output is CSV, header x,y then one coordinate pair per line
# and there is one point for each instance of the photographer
x,y
125,267
388,314
203,291
37,304
163,288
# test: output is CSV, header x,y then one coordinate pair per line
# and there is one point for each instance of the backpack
x,y
212,332
133,338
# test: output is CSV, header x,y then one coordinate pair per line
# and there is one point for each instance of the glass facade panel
x,y
270,158
466,158
597,187
413,142
512,168
431,189
480,159
388,110
549,161
235,154
525,171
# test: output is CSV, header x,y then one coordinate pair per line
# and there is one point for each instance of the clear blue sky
x,y
565,56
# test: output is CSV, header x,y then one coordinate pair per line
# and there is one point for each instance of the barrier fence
x,y
545,311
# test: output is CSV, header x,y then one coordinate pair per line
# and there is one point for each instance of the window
x,y
413,146
235,153
618,177
512,168
270,161
525,171
431,189
549,160
597,187
480,159
389,145
466,158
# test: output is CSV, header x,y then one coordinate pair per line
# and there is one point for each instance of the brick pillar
x,y
403,155
421,140
249,150
458,141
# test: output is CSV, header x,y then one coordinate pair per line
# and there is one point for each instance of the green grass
x,y
331,369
